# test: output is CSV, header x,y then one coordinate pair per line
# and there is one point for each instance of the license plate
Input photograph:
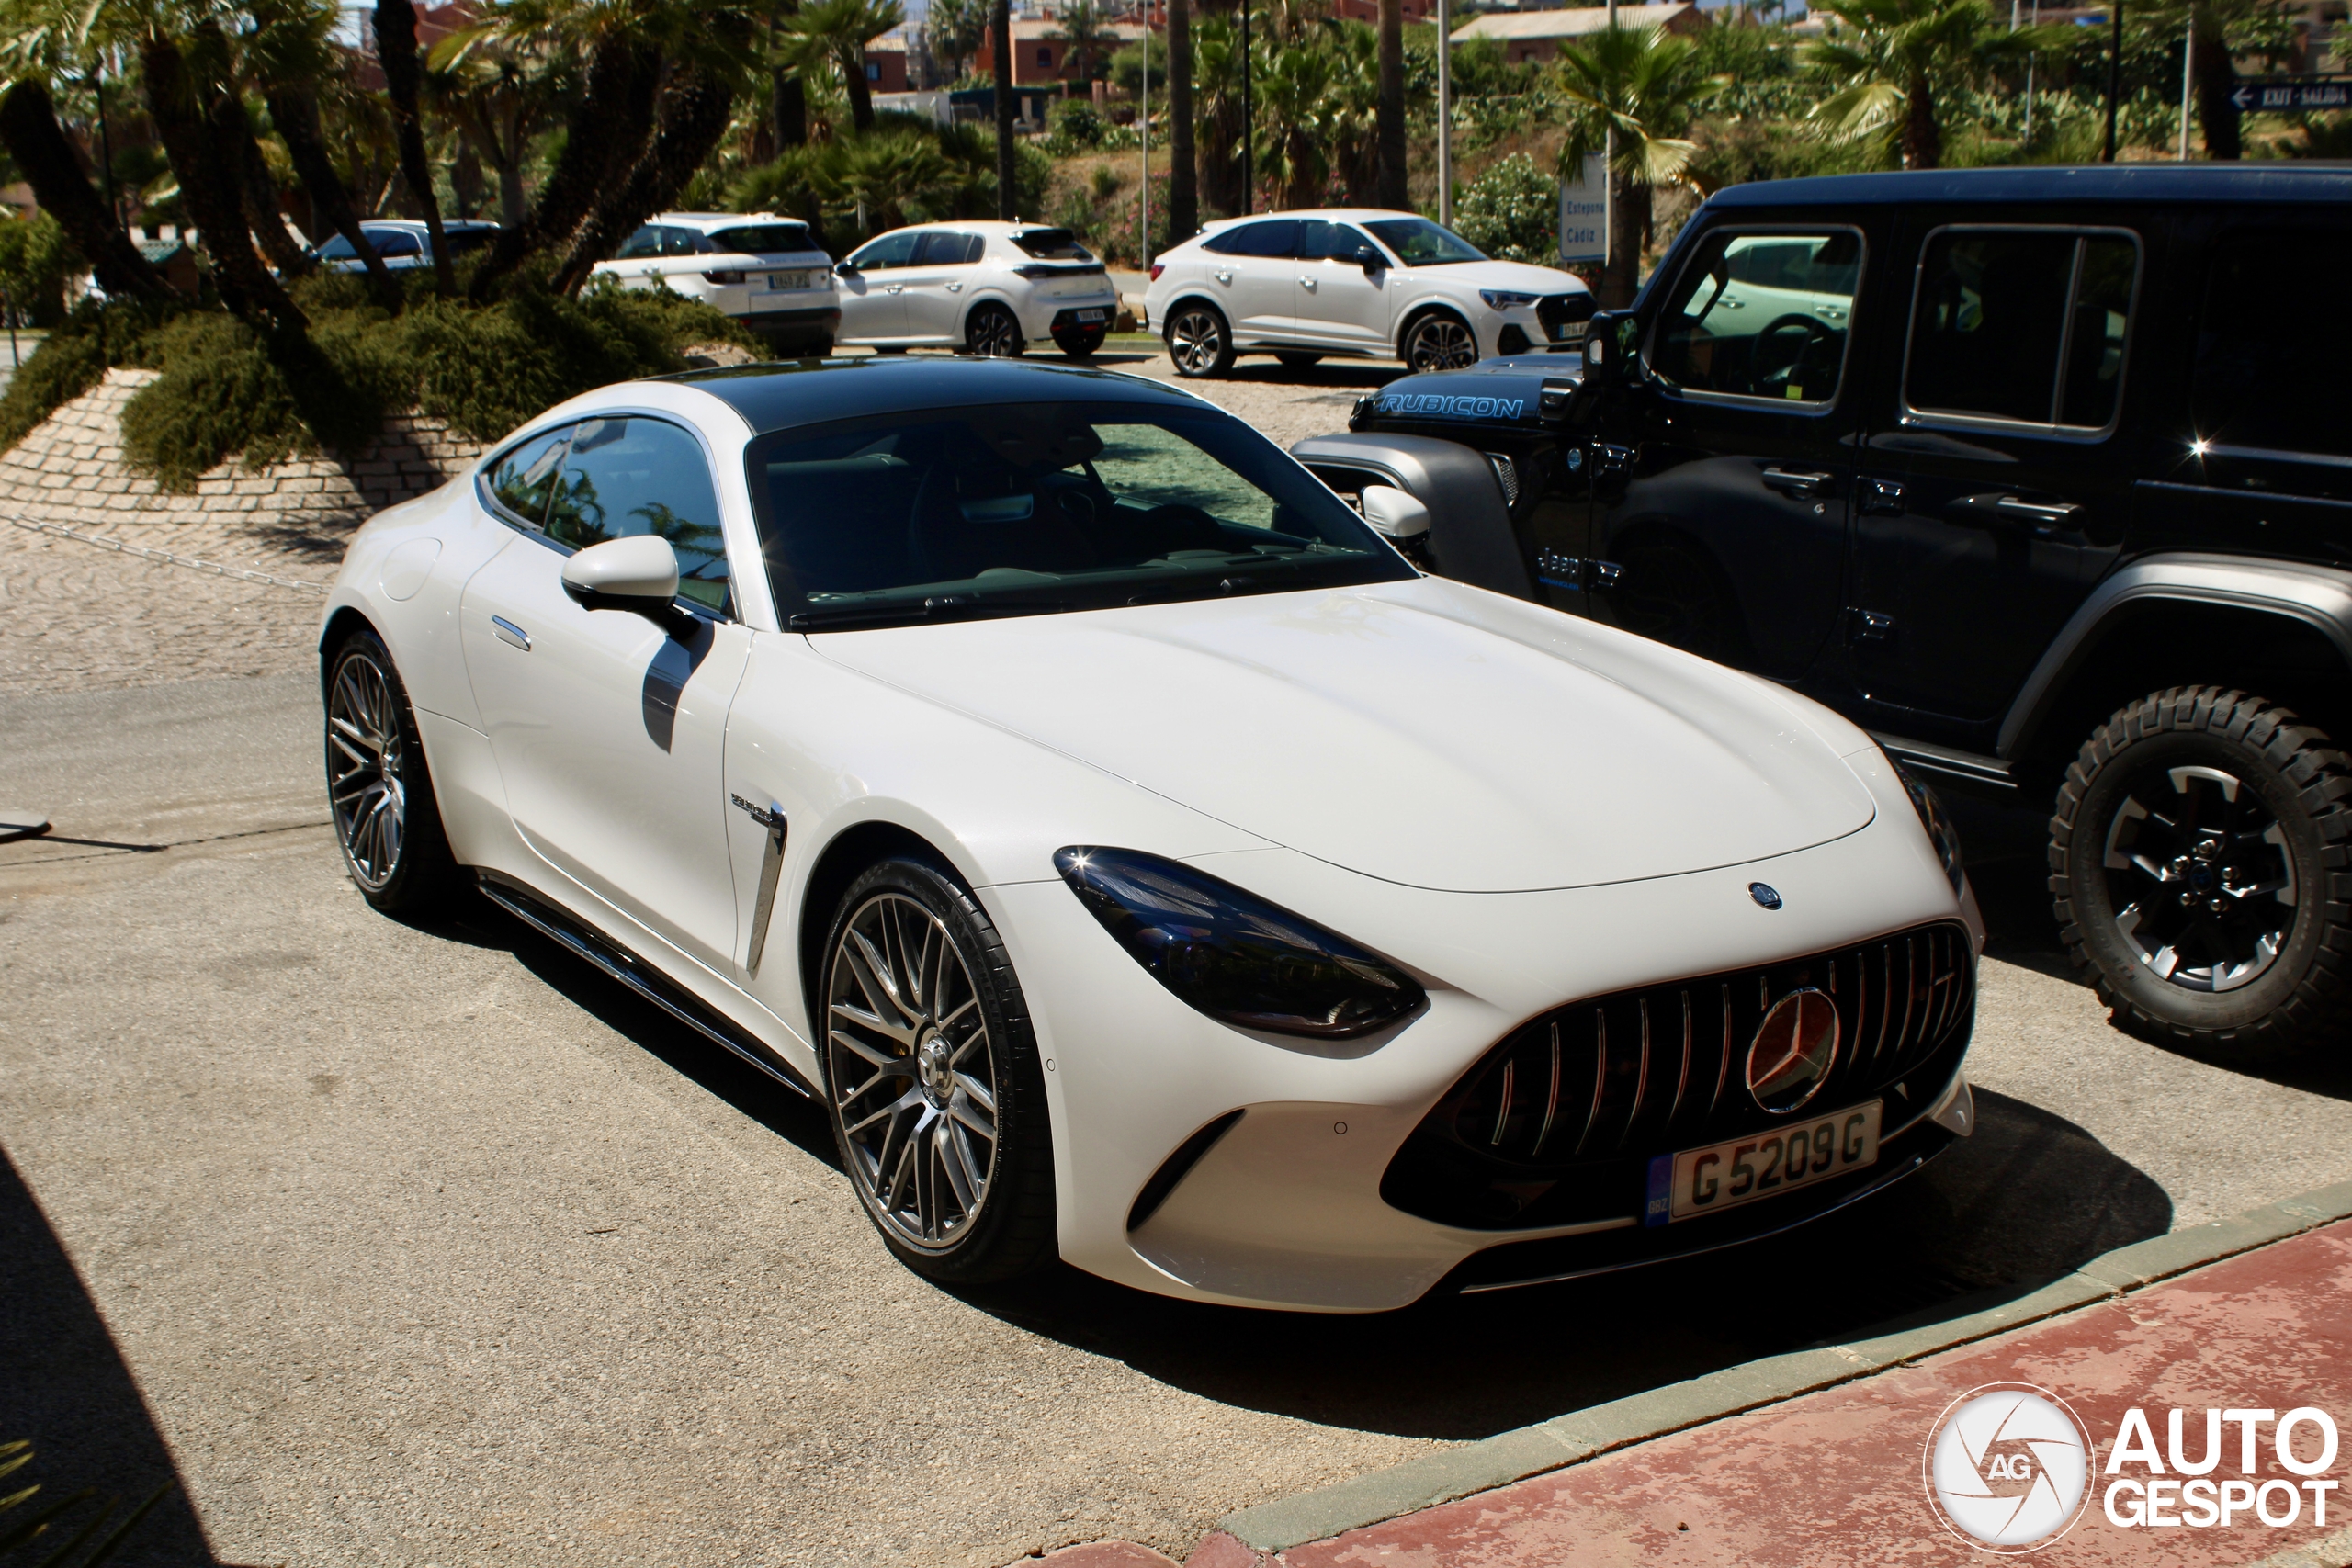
x,y
1724,1175
1089,317
788,280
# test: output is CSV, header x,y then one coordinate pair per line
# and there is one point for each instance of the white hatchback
x,y
991,288
1354,281
766,272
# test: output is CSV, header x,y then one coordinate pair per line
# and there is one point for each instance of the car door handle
x,y
2037,510
509,633
1881,498
955,288
1790,483
1308,284
1223,277
894,288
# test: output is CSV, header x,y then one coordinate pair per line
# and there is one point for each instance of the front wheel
x,y
1199,343
994,333
1438,341
2190,862
380,792
933,1077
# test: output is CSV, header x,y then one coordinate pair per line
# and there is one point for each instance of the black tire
x,y
2144,810
1199,341
890,348
1437,340
1290,361
916,1082
1083,345
991,332
379,791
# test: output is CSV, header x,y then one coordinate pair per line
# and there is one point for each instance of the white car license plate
x,y
788,280
1724,1175
1087,318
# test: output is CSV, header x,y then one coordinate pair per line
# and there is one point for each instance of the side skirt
x,y
640,977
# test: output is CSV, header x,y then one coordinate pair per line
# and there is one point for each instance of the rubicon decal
x,y
2007,1468
1450,407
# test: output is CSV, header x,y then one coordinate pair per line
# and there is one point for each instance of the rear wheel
x,y
1082,344
1199,342
2195,861
933,1077
994,333
1439,341
380,792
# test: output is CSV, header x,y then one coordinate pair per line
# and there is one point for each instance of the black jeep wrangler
x,y
2043,476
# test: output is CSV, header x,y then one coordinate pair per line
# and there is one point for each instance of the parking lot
x,y
428,1244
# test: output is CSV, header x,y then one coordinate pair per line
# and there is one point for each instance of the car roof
x,y
418,225
2166,183
1335,214
785,395
721,220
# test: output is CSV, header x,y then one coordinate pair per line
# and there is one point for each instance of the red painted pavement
x,y
1834,1478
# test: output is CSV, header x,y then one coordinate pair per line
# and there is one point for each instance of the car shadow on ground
x,y
68,1392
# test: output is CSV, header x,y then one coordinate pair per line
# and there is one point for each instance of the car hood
x,y
1518,276
1420,732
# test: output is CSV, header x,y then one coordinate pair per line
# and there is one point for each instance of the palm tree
x,y
1183,186
957,30
1646,87
1294,96
404,65
1086,28
834,32
1392,104
500,97
1894,56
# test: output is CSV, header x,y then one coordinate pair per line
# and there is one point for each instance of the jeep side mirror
x,y
1395,516
1613,351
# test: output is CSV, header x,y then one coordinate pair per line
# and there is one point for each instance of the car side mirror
x,y
640,573
1612,348
1369,259
1395,516
844,269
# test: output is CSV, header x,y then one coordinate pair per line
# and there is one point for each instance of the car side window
x,y
1273,237
1320,239
524,478
2027,326
2270,379
394,243
940,248
633,475
646,241
1762,315
678,241
889,251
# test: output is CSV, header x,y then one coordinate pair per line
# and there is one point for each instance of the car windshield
x,y
763,239
1052,245
1420,243
1026,509
383,241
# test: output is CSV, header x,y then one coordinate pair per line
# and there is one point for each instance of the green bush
x,y
1073,125
35,259
1511,211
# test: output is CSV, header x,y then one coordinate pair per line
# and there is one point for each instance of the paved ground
x,y
424,1244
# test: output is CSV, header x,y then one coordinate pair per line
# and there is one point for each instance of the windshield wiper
x,y
940,607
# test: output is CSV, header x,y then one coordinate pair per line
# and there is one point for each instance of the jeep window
x,y
1762,316
2270,380
1417,242
2027,326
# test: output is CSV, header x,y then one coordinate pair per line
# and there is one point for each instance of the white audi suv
x,y
1353,281
766,272
991,288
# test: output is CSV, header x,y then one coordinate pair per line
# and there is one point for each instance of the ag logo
x,y
2007,1468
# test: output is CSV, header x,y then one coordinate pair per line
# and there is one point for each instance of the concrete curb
x,y
1564,1441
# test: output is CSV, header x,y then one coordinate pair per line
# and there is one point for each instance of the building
x,y
887,59
1537,35
1040,56
1369,10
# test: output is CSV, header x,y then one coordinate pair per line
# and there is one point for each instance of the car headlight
x,y
1231,954
1505,300
1932,816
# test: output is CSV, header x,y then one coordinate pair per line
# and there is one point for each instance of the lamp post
x,y
1609,191
2187,78
2114,78
1249,128
1445,113
1143,137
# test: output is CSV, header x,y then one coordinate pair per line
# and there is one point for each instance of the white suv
x,y
987,287
764,271
1353,281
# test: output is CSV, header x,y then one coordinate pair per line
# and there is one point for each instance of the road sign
x,y
1584,235
2292,95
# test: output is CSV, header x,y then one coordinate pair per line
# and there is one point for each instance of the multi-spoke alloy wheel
x,y
1197,344
932,1072
994,333
378,789
364,781
1440,342
2190,857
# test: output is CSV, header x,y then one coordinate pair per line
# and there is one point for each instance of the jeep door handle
x,y
2037,510
1793,483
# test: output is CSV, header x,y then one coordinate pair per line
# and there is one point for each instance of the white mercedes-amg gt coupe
x,y
1140,861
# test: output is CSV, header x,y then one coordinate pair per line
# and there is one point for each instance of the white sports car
x,y
1138,859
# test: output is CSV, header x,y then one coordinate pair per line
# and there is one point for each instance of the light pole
x,y
1249,130
1609,191
2187,78
2114,78
1445,113
1143,127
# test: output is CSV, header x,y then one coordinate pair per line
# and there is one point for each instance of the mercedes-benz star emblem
x,y
1764,893
1794,1047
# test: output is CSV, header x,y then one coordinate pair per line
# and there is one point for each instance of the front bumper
x,y
1286,1209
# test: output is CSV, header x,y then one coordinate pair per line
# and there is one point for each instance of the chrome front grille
x,y
1592,1090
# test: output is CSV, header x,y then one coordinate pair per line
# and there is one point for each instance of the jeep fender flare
x,y
2316,597
1470,538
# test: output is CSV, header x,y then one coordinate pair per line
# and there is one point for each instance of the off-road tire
x,y
1013,1232
421,875
2303,783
